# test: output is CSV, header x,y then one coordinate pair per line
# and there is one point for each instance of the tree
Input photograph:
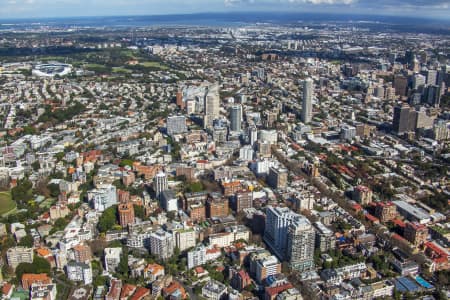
x,y
139,211
108,219
26,241
122,268
39,265
54,189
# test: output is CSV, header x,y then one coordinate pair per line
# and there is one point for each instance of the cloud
x,y
319,2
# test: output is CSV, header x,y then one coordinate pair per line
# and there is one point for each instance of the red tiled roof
x,y
273,291
140,293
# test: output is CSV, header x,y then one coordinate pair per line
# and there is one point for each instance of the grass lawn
x,y
6,202
120,70
154,64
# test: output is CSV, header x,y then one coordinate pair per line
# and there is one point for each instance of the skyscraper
x,y
278,220
160,184
300,244
253,135
307,100
404,119
235,117
211,106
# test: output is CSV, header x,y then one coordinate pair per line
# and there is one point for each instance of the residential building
x,y
277,178
325,239
18,255
112,259
214,290
300,244
162,244
126,214
308,90
77,271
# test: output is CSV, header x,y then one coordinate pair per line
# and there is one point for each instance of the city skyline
x,y
68,8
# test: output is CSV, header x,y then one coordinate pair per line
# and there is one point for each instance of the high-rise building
x,y
176,125
433,95
300,244
404,119
307,100
160,184
196,257
418,81
278,220
162,244
277,178
211,106
235,118
253,135
184,238
400,85
325,239
126,214
168,200
432,77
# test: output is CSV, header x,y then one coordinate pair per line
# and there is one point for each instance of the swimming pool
x,y
423,282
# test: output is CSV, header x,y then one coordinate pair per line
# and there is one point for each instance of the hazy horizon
x,y
20,9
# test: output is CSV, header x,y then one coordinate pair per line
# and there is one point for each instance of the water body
x,y
224,19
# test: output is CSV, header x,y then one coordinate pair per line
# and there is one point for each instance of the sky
x,y
69,8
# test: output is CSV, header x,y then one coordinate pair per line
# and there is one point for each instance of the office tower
x,y
211,106
176,125
246,153
404,119
433,95
162,244
253,134
235,117
325,239
126,214
300,244
441,130
160,184
277,177
418,81
278,220
432,76
400,85
307,101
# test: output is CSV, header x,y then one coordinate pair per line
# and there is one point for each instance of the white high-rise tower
x,y
307,100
